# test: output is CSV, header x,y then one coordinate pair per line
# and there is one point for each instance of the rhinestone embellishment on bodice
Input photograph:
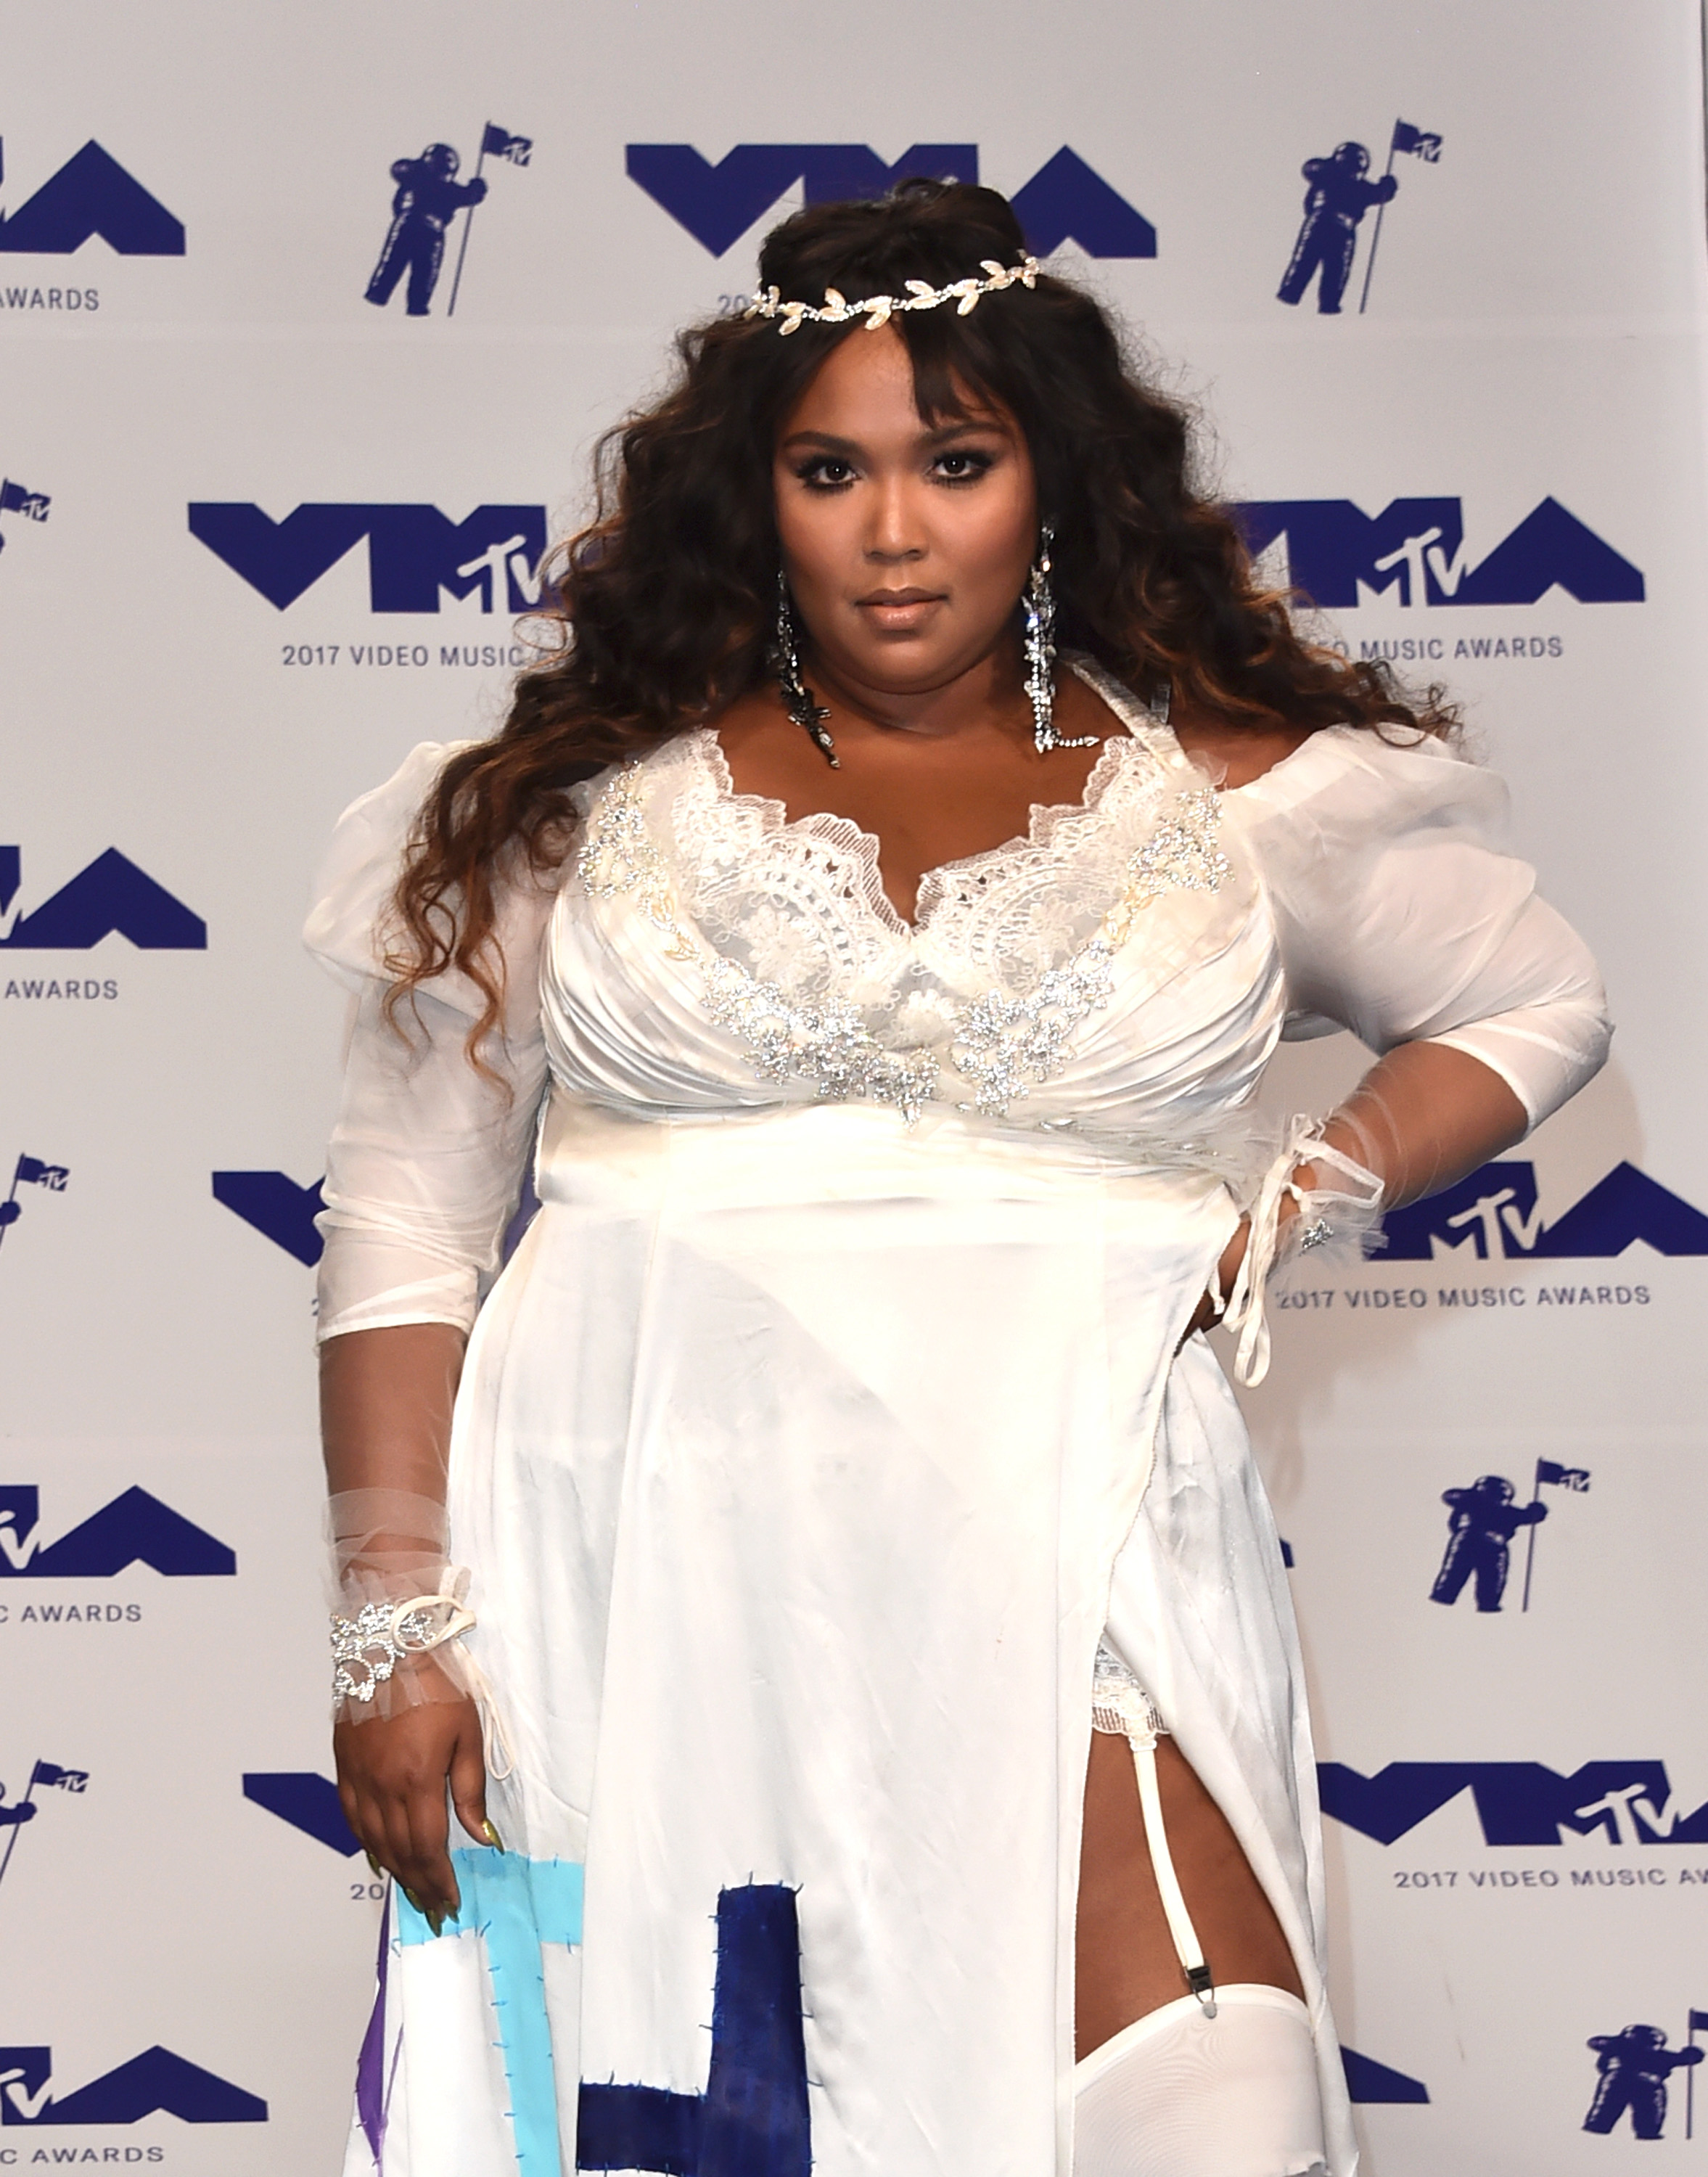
x,y
994,1047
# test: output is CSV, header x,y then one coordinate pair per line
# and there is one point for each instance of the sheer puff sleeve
x,y
428,1156
1402,916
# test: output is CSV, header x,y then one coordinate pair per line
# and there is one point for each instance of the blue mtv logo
x,y
1626,1803
135,1529
1065,200
91,195
1367,2080
111,895
414,553
307,1801
19,499
273,1204
155,2082
1415,549
1494,1213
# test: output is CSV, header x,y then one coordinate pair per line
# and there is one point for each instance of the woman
x,y
837,1447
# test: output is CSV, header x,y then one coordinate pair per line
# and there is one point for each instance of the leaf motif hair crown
x,y
877,309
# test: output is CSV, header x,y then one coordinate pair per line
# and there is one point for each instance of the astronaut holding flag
x,y
1337,197
31,1171
45,1775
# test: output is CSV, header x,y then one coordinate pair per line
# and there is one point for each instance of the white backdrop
x,y
1517,1860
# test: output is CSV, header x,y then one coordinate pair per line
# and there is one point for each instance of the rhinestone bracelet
x,y
368,1648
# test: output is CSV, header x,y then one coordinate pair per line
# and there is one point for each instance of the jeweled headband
x,y
877,309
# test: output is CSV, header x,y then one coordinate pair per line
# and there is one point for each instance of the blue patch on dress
x,y
516,1905
752,2120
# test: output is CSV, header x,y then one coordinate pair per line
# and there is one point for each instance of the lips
x,y
884,599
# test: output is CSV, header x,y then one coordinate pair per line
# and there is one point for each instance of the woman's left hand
x,y
1210,1310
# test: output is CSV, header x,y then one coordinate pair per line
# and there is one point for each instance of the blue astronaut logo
x,y
135,1529
1481,1522
112,894
415,553
91,195
19,498
155,2082
29,1171
1412,554
426,199
273,1203
1632,2069
1065,200
44,1776
1338,193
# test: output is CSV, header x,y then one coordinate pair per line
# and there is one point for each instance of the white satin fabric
x,y
807,1445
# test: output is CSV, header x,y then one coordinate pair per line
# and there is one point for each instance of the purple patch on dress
x,y
370,2064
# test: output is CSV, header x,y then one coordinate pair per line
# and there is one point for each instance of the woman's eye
x,y
965,464
824,472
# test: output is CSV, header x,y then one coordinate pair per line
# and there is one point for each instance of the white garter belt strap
x,y
1121,1707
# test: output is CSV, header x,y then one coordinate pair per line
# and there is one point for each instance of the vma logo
x,y
273,1204
306,1800
1065,200
155,2082
112,894
414,553
1493,1212
91,195
1627,1803
1412,554
133,1529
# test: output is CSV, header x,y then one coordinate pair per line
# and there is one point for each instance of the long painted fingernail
x,y
436,1919
416,1902
373,1864
490,1833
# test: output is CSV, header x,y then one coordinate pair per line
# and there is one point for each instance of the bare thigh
x,y
1127,1961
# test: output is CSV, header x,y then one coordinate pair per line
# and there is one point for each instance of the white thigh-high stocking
x,y
1182,2092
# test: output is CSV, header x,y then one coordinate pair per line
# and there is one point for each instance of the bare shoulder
x,y
1240,754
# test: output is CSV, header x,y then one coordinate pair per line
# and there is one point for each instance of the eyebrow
x,y
968,425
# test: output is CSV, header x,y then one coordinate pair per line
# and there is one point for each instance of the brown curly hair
x,y
657,615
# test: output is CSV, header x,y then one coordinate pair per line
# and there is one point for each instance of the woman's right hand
x,y
395,1775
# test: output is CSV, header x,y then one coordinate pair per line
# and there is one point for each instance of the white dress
x,y
830,1411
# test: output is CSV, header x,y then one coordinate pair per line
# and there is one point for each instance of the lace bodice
x,y
806,963
1118,977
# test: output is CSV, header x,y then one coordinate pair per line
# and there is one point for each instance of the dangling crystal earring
x,y
797,696
1038,607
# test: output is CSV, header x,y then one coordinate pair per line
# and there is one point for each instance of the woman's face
x,y
906,544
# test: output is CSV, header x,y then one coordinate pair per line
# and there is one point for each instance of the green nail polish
x,y
374,1864
416,1902
490,1833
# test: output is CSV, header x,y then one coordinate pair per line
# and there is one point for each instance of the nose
x,y
893,537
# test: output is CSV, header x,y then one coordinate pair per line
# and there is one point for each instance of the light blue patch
x,y
515,1904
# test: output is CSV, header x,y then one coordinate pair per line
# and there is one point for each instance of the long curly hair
x,y
657,615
